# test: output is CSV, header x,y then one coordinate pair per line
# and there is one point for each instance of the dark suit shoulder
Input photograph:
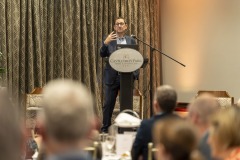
x,y
147,122
130,39
126,36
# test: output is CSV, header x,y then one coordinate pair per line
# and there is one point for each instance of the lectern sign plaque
x,y
126,60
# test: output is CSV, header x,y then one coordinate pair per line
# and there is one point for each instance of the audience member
x,y
175,139
11,134
163,105
67,120
199,113
224,137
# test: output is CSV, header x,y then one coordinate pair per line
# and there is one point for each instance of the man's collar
x,y
121,37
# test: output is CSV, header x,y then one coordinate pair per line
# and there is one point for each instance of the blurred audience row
x,y
208,132
67,124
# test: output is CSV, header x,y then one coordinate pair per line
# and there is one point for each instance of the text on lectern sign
x,y
126,60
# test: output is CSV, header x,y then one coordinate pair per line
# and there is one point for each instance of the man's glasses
x,y
119,24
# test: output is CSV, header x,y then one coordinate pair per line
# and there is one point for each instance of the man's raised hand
x,y
111,37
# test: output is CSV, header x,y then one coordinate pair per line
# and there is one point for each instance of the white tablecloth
x,y
115,157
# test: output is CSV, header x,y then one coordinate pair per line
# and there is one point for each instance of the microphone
x,y
133,36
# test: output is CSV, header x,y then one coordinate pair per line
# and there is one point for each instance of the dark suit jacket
x,y
144,136
106,50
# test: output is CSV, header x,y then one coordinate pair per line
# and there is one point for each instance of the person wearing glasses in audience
x,y
111,76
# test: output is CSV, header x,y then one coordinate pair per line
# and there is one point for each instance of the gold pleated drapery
x,y
43,40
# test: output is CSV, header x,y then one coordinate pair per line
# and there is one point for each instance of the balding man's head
x,y
203,107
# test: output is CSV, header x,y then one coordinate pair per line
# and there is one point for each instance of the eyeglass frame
x,y
121,24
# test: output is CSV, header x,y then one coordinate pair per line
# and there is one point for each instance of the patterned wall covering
x,y
34,105
48,39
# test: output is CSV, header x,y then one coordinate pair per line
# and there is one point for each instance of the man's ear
x,y
126,28
115,28
194,118
42,130
93,130
156,107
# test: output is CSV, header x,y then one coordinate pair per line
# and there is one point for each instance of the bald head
x,y
203,107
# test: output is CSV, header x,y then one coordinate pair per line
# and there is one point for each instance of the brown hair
x,y
120,18
178,137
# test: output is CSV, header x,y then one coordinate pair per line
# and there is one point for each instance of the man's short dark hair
x,y
120,18
166,98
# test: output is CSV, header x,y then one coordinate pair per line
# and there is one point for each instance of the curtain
x,y
43,40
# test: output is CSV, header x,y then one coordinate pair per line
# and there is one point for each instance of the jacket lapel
x,y
128,40
112,47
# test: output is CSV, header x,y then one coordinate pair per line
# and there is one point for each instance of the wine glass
x,y
110,141
113,130
102,137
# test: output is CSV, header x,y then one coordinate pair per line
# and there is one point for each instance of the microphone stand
x,y
151,68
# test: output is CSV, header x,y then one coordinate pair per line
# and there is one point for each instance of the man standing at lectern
x,y
111,76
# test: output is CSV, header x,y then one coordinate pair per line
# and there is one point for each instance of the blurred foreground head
x,y
68,114
175,139
224,134
11,135
201,109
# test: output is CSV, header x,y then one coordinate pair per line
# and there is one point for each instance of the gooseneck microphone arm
x,y
151,68
154,49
